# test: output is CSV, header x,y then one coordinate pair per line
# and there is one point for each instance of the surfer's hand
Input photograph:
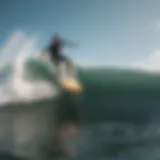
x,y
68,43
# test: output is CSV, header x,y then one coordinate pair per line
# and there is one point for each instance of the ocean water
x,y
117,114
116,117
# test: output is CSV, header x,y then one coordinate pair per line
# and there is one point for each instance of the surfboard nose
x,y
71,85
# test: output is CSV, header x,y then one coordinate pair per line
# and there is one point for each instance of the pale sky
x,y
108,32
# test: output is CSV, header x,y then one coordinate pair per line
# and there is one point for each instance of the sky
x,y
119,33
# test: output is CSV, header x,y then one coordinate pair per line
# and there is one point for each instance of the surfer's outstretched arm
x,y
68,43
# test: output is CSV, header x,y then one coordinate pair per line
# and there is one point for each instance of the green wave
x,y
109,94
111,78
37,69
91,78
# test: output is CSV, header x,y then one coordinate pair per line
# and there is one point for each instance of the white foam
x,y
19,89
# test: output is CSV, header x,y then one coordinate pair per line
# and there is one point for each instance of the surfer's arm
x,y
68,43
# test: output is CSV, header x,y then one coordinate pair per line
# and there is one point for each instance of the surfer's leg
x,y
67,132
53,60
68,63
68,123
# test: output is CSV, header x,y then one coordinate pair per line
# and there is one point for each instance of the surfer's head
x,y
56,37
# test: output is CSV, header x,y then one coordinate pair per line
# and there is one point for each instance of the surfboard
x,y
71,85
66,79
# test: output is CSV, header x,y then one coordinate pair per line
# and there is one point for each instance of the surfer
x,y
65,71
54,51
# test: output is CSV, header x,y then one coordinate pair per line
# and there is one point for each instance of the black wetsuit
x,y
54,51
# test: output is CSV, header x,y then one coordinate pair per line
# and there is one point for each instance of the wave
x,y
105,77
23,81
29,78
121,107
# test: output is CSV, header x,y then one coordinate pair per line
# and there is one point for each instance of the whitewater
x,y
15,85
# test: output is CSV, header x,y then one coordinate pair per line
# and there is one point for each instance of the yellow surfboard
x,y
71,85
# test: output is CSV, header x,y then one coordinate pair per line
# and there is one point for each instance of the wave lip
x,y
19,87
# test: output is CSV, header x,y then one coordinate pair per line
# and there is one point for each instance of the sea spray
x,y
19,88
25,89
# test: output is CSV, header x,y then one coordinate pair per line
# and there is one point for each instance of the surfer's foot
x,y
70,152
67,132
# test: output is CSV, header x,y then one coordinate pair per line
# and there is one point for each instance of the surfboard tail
x,y
68,78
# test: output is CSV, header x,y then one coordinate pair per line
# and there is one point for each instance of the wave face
x,y
121,114
119,109
120,95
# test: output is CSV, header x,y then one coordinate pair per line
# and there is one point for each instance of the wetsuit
x,y
54,51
